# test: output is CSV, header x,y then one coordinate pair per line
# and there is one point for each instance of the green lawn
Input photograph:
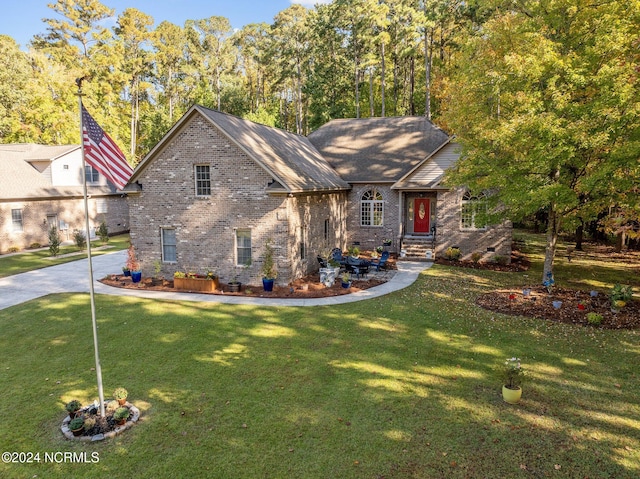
x,y
11,264
402,386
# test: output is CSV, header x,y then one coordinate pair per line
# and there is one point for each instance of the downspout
x,y
401,219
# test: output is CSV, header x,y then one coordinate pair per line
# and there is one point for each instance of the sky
x,y
22,19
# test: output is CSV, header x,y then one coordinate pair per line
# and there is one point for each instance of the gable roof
x,y
21,180
377,149
292,161
430,171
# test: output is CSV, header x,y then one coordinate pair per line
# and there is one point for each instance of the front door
x,y
421,215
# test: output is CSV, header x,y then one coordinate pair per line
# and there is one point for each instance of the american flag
x,y
101,152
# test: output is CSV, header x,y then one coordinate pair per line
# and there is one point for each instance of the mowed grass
x,y
11,264
402,386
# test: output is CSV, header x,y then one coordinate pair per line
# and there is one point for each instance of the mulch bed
x,y
314,289
539,305
519,262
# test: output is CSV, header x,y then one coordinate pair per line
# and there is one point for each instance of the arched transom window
x,y
371,208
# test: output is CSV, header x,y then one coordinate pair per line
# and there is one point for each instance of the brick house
x,y
216,188
41,186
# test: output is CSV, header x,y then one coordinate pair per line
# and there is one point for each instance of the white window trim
x,y
371,204
164,260
17,227
236,246
474,202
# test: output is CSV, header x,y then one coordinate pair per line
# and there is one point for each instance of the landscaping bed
x,y
297,289
574,308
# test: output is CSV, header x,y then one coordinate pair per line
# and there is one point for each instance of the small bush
x,y
13,249
476,257
54,241
103,232
594,319
80,239
453,254
76,423
502,260
35,245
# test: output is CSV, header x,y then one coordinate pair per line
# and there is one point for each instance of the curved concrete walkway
x,y
73,277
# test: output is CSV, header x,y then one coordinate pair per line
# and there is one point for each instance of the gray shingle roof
x,y
293,161
377,149
292,158
20,180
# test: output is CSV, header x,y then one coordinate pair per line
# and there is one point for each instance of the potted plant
x,y
346,280
235,285
619,296
512,376
192,281
76,425
126,271
133,264
120,395
121,415
157,279
354,251
269,272
73,407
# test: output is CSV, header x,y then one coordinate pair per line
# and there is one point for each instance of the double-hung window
x,y
16,220
243,247
169,245
203,180
371,209
91,174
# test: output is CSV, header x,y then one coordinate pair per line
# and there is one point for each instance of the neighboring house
x,y
216,188
41,186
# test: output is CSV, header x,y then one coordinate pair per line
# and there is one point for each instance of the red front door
x,y
421,215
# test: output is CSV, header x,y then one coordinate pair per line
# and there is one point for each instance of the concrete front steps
x,y
418,248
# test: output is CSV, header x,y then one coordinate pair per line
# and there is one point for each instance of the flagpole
x,y
88,233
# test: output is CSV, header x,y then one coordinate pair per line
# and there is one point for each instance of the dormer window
x,y
91,174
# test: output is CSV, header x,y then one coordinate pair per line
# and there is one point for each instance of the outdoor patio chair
x,y
381,262
336,255
357,266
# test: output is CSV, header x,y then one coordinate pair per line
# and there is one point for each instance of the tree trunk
x,y
579,236
371,101
553,226
382,74
428,52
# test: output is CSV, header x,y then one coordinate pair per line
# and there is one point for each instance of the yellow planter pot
x,y
511,396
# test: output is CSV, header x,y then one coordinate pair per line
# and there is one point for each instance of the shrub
x,y
476,257
179,274
79,239
35,245
54,241
502,260
13,249
73,406
453,254
76,423
620,292
121,413
89,423
103,232
594,319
